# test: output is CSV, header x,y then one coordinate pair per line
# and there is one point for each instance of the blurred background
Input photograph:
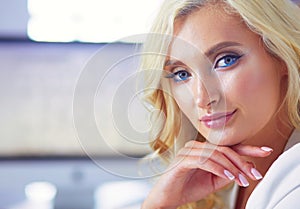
x,y
72,128
73,131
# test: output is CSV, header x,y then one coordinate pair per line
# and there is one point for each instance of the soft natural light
x,y
89,20
121,194
40,191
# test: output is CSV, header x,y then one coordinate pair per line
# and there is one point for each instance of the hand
x,y
201,168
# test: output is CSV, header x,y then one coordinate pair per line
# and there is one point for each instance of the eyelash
x,y
178,77
234,58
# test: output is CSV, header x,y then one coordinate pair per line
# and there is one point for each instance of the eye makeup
x,y
221,61
179,75
226,61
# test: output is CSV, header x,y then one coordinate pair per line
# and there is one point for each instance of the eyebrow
x,y
220,46
170,62
212,50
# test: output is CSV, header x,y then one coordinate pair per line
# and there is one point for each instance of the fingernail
x,y
267,149
229,175
256,174
243,180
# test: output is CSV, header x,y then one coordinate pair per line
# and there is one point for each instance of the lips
x,y
217,120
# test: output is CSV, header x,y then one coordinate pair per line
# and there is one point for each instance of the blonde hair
x,y
276,21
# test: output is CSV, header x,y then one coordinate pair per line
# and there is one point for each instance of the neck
x,y
274,135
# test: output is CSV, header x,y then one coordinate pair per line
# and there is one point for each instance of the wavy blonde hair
x,y
277,22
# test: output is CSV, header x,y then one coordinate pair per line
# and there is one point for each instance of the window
x,y
89,20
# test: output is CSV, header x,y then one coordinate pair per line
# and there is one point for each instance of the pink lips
x,y
217,120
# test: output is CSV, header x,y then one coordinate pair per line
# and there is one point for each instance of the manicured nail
x,y
243,180
267,149
256,174
229,175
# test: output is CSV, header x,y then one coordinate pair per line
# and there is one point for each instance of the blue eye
x,y
181,75
227,61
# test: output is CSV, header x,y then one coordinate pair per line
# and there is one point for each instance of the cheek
x,y
184,98
248,84
256,90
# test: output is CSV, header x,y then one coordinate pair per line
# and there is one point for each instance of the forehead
x,y
206,27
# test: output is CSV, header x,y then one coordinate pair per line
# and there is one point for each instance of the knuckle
x,y
248,165
251,164
203,160
222,149
181,152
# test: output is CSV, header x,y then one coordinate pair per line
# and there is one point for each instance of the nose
x,y
206,94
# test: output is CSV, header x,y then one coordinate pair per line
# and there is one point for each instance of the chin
x,y
221,139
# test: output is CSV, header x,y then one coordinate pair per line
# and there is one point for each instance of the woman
x,y
231,67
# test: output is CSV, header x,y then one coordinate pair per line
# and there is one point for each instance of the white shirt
x,y
280,187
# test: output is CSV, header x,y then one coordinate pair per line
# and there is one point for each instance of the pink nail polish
x,y
267,149
256,174
243,180
229,175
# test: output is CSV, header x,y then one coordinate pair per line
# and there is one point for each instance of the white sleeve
x,y
280,187
290,201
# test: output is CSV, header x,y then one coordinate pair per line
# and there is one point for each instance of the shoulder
x,y
280,187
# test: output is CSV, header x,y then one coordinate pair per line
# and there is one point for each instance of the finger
x,y
253,151
208,177
231,171
247,168
245,150
187,163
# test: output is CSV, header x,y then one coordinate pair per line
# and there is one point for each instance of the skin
x,y
238,77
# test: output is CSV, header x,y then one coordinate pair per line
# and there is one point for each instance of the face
x,y
221,76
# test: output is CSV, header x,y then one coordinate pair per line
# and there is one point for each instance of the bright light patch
x,y
89,20
121,194
40,191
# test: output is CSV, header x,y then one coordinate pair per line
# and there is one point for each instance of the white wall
x,y
37,88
